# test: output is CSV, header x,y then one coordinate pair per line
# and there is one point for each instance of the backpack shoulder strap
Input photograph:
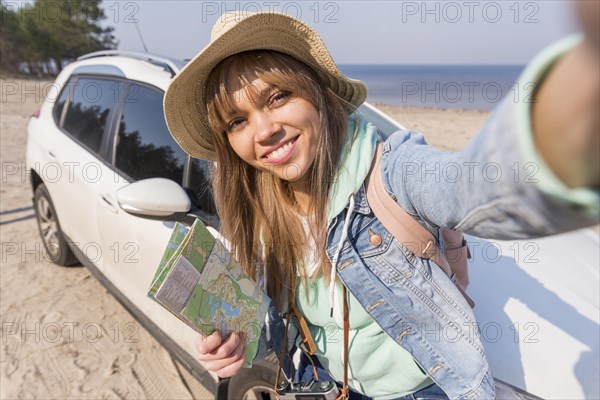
x,y
397,221
402,225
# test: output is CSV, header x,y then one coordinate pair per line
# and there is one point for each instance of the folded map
x,y
200,282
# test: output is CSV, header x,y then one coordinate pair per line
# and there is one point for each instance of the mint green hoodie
x,y
378,366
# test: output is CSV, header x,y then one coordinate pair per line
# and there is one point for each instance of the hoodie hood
x,y
355,163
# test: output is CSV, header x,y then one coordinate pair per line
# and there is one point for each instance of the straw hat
x,y
235,32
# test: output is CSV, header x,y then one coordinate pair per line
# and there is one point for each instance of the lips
x,y
281,153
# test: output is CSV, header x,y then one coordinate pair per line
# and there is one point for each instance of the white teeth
x,y
280,151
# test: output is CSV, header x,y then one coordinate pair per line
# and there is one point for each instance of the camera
x,y
324,390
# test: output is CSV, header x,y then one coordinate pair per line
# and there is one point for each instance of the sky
x,y
363,32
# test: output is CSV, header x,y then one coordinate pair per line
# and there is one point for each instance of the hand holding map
x,y
200,282
225,356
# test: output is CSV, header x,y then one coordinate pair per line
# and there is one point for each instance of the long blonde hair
x,y
257,209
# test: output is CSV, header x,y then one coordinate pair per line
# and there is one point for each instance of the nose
x,y
266,126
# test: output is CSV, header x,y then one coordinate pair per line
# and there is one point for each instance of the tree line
x,y
40,37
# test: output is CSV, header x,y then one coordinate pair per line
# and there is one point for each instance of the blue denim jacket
x,y
412,299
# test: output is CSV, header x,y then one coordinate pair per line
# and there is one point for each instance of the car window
x,y
145,148
199,185
88,111
57,111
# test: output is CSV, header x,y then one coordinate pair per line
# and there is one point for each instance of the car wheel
x,y
252,384
56,246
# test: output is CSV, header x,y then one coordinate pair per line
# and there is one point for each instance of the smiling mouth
x,y
282,153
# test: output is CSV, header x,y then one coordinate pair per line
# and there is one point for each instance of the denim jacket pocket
x,y
398,268
388,259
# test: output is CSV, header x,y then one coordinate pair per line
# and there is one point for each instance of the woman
x,y
265,101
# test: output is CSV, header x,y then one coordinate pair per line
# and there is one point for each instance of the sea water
x,y
473,87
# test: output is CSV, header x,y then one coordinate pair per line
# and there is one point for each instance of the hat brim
x,y
184,108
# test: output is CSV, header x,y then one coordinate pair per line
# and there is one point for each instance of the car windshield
x,y
382,123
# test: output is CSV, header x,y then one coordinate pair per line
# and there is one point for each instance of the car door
x,y
142,147
74,166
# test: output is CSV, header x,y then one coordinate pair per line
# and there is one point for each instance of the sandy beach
x,y
63,335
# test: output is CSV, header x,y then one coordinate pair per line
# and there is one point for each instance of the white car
x,y
99,140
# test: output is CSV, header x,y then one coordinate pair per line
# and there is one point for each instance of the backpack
x,y
453,260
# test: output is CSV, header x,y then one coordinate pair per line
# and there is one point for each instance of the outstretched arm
x,y
545,154
565,115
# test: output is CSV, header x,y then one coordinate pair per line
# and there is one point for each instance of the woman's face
x,y
273,129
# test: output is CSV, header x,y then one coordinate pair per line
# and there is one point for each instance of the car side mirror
x,y
154,198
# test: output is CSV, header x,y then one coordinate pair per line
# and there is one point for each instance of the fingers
x,y
213,348
206,344
588,12
229,366
225,357
231,369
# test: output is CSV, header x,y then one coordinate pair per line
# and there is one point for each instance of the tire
x,y
255,383
57,249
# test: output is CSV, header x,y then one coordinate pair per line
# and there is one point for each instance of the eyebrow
x,y
265,90
261,94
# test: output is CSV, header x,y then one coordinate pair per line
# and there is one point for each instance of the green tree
x,y
12,39
53,32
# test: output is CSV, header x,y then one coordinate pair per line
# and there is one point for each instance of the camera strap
x,y
307,341
308,344
344,392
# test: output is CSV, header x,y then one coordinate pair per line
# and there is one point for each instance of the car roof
x,y
144,67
